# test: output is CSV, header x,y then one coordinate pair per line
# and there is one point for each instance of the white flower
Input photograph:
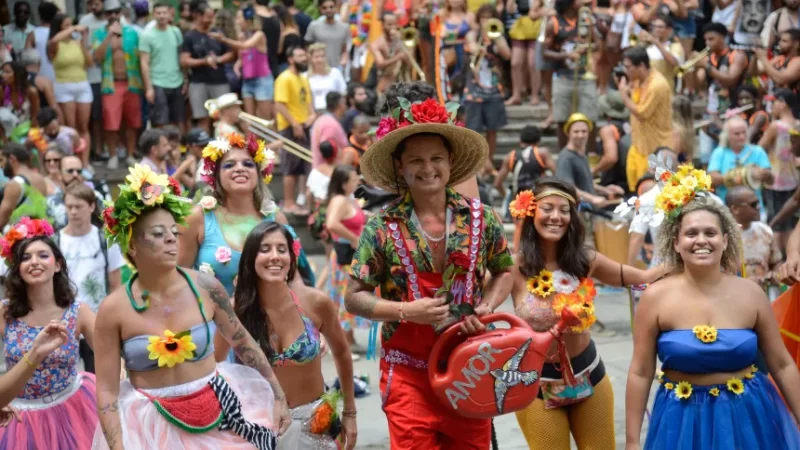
x,y
624,208
206,268
269,155
221,144
564,283
208,203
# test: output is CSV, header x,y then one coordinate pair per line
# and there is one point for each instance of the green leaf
x,y
396,114
448,273
442,290
452,108
404,103
450,297
466,309
182,334
454,310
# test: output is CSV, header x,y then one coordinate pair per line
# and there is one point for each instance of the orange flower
x,y
321,421
523,206
236,140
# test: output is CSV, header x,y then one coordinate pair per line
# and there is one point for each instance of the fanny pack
x,y
214,406
570,389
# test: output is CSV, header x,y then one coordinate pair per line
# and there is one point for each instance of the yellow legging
x,y
590,421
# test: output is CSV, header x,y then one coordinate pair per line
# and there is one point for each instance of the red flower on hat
x,y
109,220
385,126
429,111
176,188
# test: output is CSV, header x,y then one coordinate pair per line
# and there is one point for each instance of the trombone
x,y
688,66
262,128
494,29
410,38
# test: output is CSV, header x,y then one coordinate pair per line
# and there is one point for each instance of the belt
x,y
47,401
393,357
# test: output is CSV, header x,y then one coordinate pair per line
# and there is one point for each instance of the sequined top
x,y
542,313
58,370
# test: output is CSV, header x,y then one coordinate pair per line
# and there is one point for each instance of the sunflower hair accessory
x,y
143,190
26,228
216,149
524,205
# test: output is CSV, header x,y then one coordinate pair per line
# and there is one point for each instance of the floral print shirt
x,y
377,263
58,370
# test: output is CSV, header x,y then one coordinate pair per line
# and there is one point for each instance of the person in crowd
x,y
195,141
21,99
72,174
93,20
204,57
707,325
455,22
226,109
781,19
257,79
344,220
760,253
70,63
164,82
51,337
175,156
738,154
524,22
757,118
225,24
290,36
318,181
683,132
572,165
37,40
216,229
359,142
484,105
243,405
563,47
614,142
94,266
25,193
323,78
266,307
358,15
327,127
356,98
554,270
302,19
725,69
141,12
154,146
58,404
645,93
392,60
30,60
665,54
525,165
334,33
784,69
116,51
64,138
271,27
295,110
184,16
16,34
52,169
778,140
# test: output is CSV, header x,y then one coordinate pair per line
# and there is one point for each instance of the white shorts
x,y
80,92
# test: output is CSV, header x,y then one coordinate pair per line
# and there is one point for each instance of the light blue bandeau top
x,y
137,357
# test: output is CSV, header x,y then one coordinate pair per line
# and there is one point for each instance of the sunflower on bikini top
x,y
171,349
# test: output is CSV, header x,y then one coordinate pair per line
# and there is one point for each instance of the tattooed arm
x,y
244,345
360,300
106,355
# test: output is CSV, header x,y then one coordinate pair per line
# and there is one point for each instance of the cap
x,y
141,8
111,5
197,136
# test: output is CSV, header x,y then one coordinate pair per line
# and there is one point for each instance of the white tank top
x,y
41,34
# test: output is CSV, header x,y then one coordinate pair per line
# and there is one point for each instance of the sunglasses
x,y
74,171
754,204
52,160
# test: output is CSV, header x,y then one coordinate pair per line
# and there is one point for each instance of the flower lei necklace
x,y
570,292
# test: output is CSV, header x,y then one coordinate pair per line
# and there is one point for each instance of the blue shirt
x,y
723,160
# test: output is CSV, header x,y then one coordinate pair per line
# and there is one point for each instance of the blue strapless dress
x,y
717,417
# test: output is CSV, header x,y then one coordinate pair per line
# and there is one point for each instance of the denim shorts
x,y
685,28
262,88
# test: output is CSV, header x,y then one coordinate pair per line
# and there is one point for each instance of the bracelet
x,y
349,413
29,362
402,317
621,279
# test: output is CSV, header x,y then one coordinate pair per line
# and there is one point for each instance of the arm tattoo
x,y
362,304
112,407
111,431
218,295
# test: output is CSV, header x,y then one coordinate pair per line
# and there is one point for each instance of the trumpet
x,y
727,115
410,38
493,28
688,66
263,129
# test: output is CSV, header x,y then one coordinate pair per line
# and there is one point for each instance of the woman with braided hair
x,y
163,323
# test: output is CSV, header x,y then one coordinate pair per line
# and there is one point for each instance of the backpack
x,y
103,249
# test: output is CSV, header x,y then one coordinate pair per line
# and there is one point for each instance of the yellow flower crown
x,y
680,188
214,151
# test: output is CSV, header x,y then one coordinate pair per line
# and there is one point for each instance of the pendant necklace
x,y
433,241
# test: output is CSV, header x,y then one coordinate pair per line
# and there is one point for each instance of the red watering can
x,y
495,372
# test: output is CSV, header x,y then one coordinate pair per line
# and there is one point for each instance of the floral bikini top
x,y
304,349
550,292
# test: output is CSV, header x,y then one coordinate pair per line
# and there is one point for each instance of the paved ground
x,y
616,351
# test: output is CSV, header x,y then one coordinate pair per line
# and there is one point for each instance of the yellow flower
x,y
714,392
705,333
669,386
215,149
736,386
260,154
141,175
544,290
749,376
171,349
703,179
545,276
753,368
684,390
560,302
689,182
268,179
661,377
586,322
685,169
533,285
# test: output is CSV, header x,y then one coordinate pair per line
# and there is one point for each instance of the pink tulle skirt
x,y
66,422
144,428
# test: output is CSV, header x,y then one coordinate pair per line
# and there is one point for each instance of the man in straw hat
x,y
432,230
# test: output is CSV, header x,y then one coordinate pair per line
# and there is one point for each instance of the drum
x,y
611,239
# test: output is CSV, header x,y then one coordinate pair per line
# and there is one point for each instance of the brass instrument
x,y
263,128
543,27
586,34
727,115
494,29
688,66
409,36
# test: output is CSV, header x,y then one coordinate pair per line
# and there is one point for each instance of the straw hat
x,y
577,117
611,105
469,149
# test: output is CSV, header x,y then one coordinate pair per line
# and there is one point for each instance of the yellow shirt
x,y
474,5
69,63
293,91
652,126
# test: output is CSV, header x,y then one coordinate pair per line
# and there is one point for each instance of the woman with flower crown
x,y
163,323
706,326
57,405
553,271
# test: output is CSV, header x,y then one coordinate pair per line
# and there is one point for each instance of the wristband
x,y
402,317
349,413
29,362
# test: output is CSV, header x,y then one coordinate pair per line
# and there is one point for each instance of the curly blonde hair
x,y
670,230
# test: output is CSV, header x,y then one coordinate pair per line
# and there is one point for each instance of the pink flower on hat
x,y
386,126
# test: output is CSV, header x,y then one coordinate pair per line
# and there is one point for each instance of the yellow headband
x,y
550,192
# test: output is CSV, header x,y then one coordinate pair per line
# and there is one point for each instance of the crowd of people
x,y
183,308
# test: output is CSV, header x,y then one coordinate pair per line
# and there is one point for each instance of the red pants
x,y
418,421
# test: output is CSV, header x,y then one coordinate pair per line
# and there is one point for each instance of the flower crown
x,y
524,205
26,228
429,111
677,190
216,149
144,189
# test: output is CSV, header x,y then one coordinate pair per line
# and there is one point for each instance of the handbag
x,y
558,393
344,253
